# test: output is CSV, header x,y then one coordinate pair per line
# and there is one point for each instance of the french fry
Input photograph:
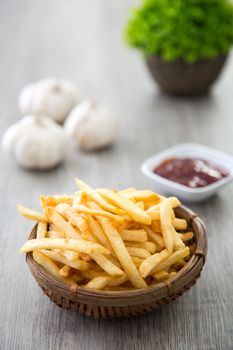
x,y
110,240
131,209
83,209
186,236
114,260
97,228
129,225
137,261
98,283
55,228
138,252
97,198
41,231
85,257
166,225
78,198
178,243
149,264
180,263
46,263
154,214
155,237
161,275
114,282
76,220
140,205
155,208
69,255
132,225
179,224
174,202
141,195
134,235
172,259
171,274
156,227
122,254
77,278
77,245
65,226
52,201
171,238
77,264
150,246
65,271
31,214
90,237
90,274
99,233
49,265
55,234
106,264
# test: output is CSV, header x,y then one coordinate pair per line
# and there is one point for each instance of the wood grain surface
x,y
82,41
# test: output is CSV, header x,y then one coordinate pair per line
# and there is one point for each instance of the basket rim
x,y
199,254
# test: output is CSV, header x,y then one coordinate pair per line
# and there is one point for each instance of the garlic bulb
x,y
52,97
90,126
35,142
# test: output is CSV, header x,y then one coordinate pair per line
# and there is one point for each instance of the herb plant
x,y
187,29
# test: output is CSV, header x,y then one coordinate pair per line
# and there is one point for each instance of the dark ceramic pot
x,y
185,79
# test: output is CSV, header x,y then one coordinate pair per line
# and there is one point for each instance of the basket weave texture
x,y
107,304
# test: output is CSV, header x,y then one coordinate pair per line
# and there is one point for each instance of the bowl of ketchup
x,y
190,171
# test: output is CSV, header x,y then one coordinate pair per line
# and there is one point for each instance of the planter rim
x,y
183,60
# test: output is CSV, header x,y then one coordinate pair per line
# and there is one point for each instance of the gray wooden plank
x,y
82,40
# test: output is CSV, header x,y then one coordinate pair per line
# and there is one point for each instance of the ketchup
x,y
190,172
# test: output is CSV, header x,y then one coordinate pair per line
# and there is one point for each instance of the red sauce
x,y
191,172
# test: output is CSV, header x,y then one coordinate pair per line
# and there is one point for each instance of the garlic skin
x,y
90,126
35,143
52,97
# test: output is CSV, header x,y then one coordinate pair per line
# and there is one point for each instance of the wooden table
x,y
82,41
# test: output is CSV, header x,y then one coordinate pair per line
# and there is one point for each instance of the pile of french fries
x,y
109,240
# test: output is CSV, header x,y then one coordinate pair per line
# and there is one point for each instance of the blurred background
x,y
83,42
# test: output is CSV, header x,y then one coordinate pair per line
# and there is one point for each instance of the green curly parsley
x,y
187,29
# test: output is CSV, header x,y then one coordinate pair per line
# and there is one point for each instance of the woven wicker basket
x,y
103,304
